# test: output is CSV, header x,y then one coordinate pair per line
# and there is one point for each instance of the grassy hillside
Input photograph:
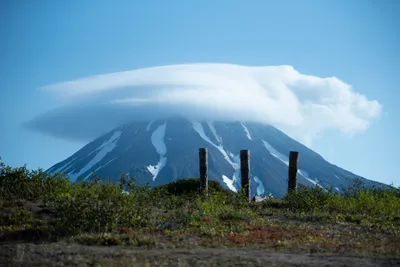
x,y
42,208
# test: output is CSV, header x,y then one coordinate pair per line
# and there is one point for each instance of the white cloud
x,y
301,105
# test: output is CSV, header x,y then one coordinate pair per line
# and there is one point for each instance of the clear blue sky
x,y
43,42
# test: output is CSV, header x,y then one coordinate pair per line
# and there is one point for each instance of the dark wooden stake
x,y
203,160
293,166
245,172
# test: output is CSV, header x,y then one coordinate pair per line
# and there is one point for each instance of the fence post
x,y
245,172
293,166
203,160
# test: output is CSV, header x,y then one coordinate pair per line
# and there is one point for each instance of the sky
x,y
296,58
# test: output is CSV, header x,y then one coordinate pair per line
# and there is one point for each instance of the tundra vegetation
x,y
37,207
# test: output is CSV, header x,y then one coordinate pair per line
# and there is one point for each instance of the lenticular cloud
x,y
303,106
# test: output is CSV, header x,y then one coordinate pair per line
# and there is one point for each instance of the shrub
x,y
378,205
20,183
91,207
189,187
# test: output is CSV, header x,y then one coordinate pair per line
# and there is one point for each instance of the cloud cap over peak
x,y
303,106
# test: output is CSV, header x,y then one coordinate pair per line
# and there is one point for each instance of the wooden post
x,y
293,166
245,172
203,160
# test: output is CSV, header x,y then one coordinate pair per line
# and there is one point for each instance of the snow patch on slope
x,y
155,169
260,187
276,153
64,167
285,160
200,130
102,151
246,131
305,175
157,139
148,126
102,166
214,132
229,183
232,159
237,176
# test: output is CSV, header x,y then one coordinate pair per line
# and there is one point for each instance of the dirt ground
x,y
62,254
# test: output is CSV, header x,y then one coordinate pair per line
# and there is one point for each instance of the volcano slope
x,y
162,151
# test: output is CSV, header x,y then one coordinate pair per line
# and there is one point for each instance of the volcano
x,y
161,151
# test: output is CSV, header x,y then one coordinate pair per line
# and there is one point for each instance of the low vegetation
x,y
39,207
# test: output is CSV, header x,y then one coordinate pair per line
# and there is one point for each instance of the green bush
x,y
93,207
20,183
308,199
379,205
189,187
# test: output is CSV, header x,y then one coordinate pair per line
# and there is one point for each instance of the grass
x,y
38,207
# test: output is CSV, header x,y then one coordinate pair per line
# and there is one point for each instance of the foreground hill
x,y
46,220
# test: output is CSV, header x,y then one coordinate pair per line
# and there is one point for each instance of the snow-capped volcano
x,y
162,151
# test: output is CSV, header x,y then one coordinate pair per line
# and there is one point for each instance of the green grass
x,y
40,207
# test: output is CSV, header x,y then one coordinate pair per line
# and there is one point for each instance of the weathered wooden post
x,y
293,166
203,169
245,172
